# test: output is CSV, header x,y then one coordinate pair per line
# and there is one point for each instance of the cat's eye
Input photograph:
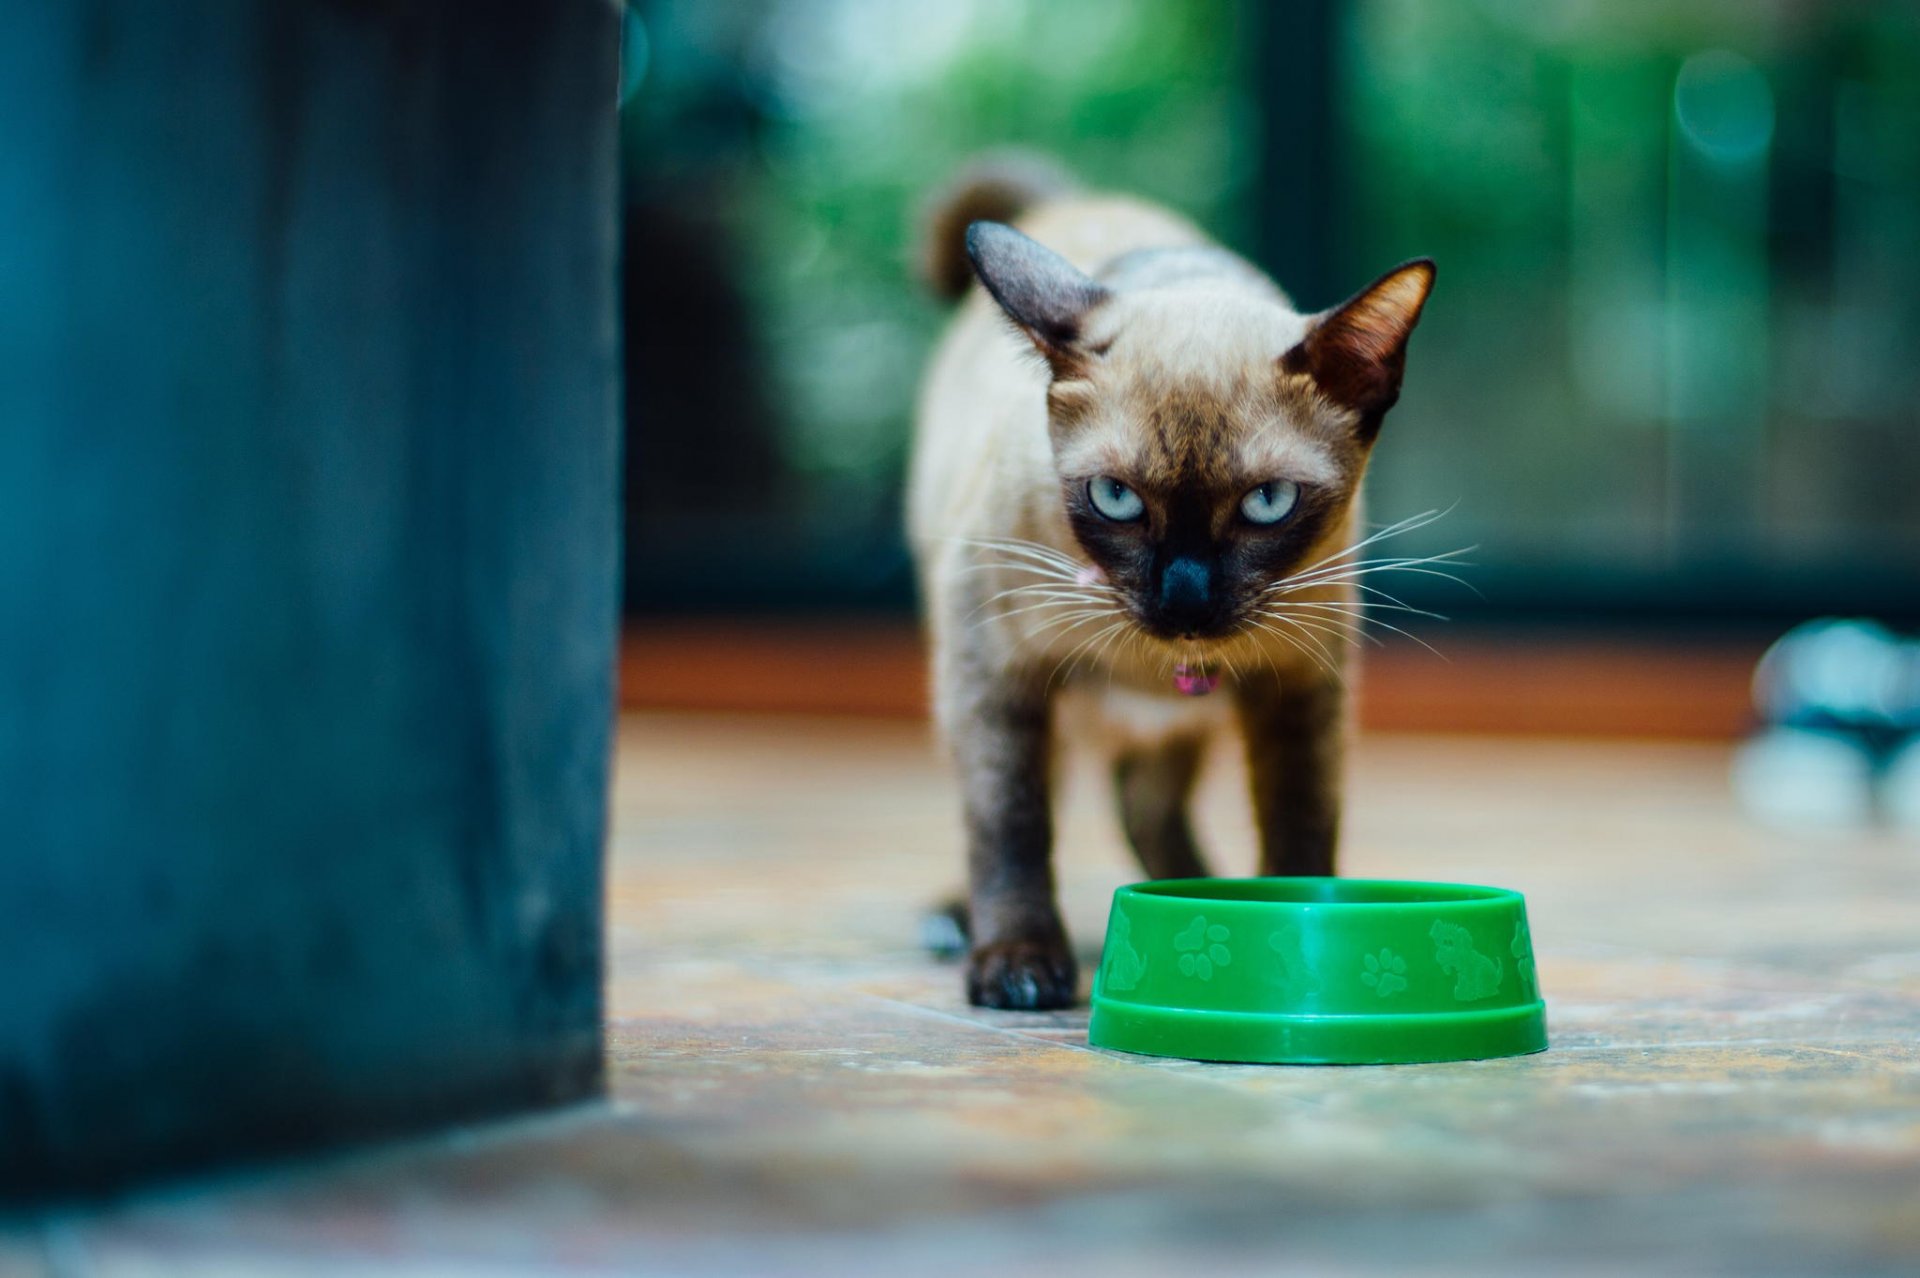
x,y
1115,500
1271,502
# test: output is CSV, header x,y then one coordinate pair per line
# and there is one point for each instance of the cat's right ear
x,y
1045,296
1357,352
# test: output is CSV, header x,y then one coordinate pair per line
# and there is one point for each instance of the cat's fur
x,y
1178,368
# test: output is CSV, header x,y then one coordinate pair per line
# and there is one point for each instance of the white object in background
x,y
1854,671
1803,779
1900,787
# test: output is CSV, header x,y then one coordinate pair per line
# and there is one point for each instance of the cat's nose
x,y
1186,596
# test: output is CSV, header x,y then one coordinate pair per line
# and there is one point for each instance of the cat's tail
x,y
993,187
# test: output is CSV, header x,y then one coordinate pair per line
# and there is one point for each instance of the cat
x,y
1134,486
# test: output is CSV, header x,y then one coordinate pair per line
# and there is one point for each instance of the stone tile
x,y
1733,1087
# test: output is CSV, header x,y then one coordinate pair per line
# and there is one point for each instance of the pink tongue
x,y
1193,681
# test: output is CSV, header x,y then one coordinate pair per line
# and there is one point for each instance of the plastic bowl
x,y
1312,971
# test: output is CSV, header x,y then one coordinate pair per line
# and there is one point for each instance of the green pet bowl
x,y
1317,972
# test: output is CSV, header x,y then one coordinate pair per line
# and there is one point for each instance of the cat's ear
x,y
1046,296
1356,352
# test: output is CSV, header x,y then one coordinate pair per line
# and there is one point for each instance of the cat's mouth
x,y
1195,678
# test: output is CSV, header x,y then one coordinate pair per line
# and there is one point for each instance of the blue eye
x,y
1271,502
1115,500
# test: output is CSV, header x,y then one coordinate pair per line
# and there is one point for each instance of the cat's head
x,y
1208,439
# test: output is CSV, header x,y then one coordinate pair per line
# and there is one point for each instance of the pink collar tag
x,y
1194,681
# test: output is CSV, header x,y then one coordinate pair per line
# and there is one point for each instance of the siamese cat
x,y
1134,504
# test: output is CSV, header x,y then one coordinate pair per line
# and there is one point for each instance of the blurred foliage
x,y
1679,286
1669,359
816,127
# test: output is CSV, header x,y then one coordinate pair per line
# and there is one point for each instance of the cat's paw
x,y
1022,975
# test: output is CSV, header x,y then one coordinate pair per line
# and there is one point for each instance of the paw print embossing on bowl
x,y
1385,973
1202,947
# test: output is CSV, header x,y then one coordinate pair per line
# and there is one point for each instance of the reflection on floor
x,y
1734,1083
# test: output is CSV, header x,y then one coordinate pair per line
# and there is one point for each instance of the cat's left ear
x,y
1357,351
1046,296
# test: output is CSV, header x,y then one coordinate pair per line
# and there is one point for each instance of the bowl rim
x,y
1320,894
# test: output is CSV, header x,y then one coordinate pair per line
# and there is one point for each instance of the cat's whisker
x,y
1052,614
1124,640
1069,629
1412,523
1032,575
1041,607
1338,632
1031,550
1233,671
1316,654
1365,616
1387,603
1050,593
1250,648
1100,655
1326,663
1358,609
1342,569
1052,572
1346,625
1420,520
1076,615
1408,634
1332,613
1371,594
1356,580
1089,639
1358,583
1266,650
1016,607
1055,583
1081,647
1068,624
1030,603
1353,571
1008,543
1364,566
1137,643
1346,630
1326,640
1272,626
1048,587
1369,619
1335,568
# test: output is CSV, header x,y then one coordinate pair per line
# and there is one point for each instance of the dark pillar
x,y
1301,197
307,570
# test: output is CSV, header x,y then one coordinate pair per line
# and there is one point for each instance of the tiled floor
x,y
1733,1086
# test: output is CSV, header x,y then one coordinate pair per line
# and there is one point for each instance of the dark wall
x,y
308,474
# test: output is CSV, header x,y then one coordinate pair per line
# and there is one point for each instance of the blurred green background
x,y
1669,372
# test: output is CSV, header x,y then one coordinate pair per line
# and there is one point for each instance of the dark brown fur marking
x,y
1153,787
1296,749
1020,957
1357,354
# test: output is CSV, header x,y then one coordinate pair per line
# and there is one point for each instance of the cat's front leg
x,y
1296,748
1002,743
